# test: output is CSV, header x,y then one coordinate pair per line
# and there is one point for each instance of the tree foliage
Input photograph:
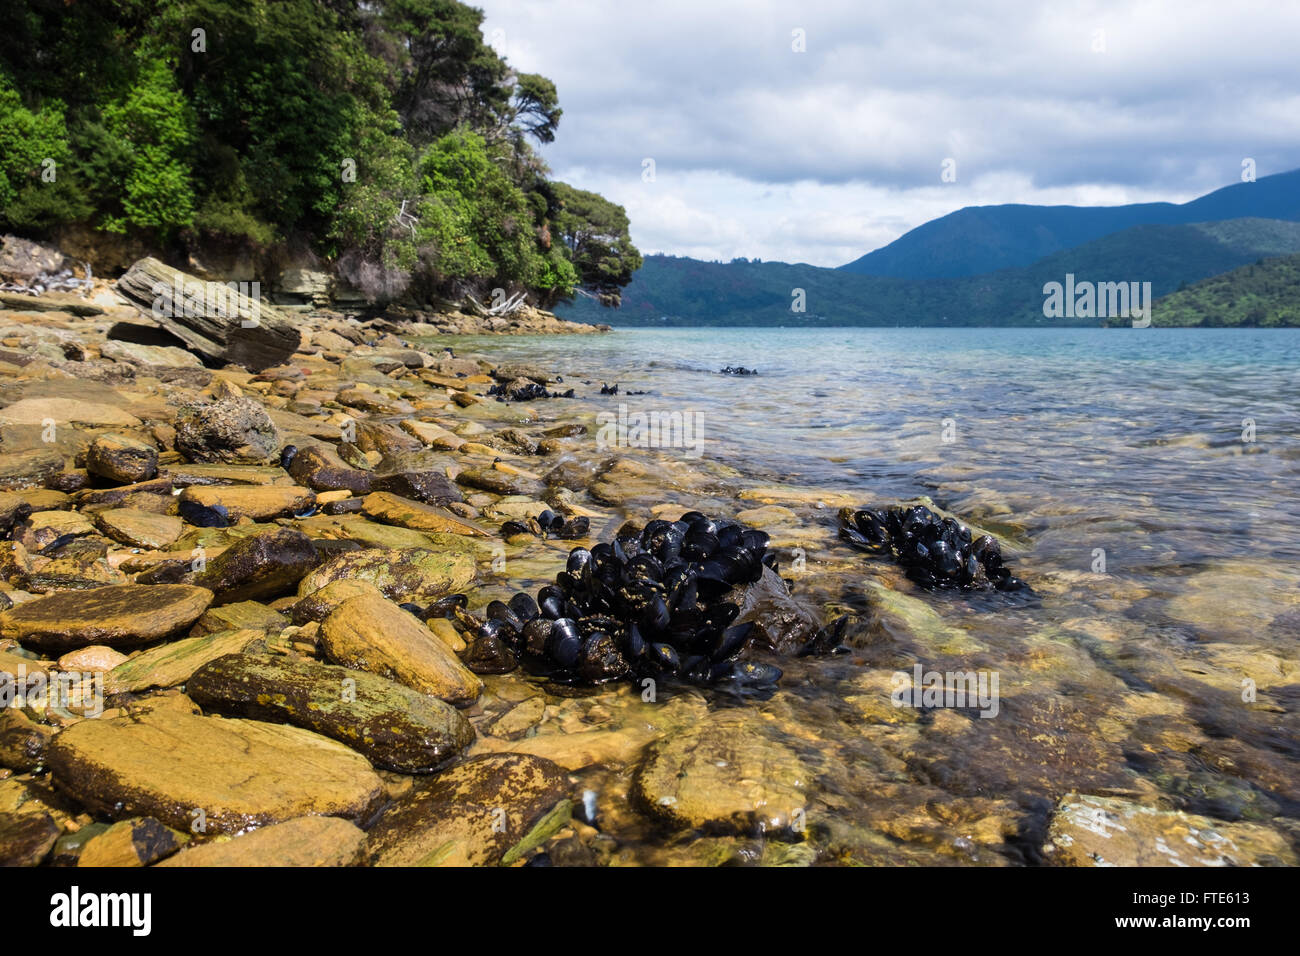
x,y
386,134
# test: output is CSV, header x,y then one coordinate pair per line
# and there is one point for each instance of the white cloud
x,y
823,155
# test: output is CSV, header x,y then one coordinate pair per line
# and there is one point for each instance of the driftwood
x,y
512,304
222,322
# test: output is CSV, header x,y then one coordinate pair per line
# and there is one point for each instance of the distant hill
x,y
979,239
672,291
1263,294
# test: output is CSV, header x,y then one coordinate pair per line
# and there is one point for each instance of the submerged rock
x,y
723,776
470,815
394,727
216,506
1109,831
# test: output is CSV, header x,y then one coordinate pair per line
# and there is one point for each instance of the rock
x,y
520,719
260,566
252,334
394,727
722,775
40,529
122,459
231,774
23,742
410,574
320,467
92,658
781,623
120,616
209,505
233,431
373,634
470,815
26,469
1108,831
319,604
431,486
26,839
240,616
139,842
170,665
147,356
140,529
490,479
66,411
434,436
404,513
306,841
22,260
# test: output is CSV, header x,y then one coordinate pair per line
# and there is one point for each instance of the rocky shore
x,y
231,635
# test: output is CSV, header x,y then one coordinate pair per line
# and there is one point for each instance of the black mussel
x,y
633,643
445,606
202,516
287,455
512,528
412,608
665,656
524,607
573,528
501,630
699,545
488,654
755,672
564,643
536,633
550,600
500,611
732,641
600,660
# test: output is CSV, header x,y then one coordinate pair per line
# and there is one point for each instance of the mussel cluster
x,y
934,552
738,370
548,525
525,392
649,604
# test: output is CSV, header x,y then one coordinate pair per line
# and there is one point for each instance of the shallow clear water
x,y
1146,481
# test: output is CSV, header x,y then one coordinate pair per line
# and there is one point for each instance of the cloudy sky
x,y
822,155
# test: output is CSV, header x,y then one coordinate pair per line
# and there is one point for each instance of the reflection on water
x,y
1145,481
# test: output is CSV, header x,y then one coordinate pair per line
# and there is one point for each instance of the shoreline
x,y
386,438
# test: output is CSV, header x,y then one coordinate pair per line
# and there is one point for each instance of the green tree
x,y
595,231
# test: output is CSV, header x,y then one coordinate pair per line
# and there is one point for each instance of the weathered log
x,y
222,322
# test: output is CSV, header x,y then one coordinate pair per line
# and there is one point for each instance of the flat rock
x,y
66,411
242,615
394,727
470,815
23,742
306,841
167,763
407,574
390,509
232,502
27,468
118,616
1109,831
722,775
139,529
373,634
321,603
170,665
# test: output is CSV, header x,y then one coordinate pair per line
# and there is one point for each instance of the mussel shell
x,y
564,643
524,607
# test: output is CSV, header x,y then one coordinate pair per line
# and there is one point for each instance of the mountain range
x,y
979,266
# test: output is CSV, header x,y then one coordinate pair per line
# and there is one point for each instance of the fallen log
x,y
222,322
